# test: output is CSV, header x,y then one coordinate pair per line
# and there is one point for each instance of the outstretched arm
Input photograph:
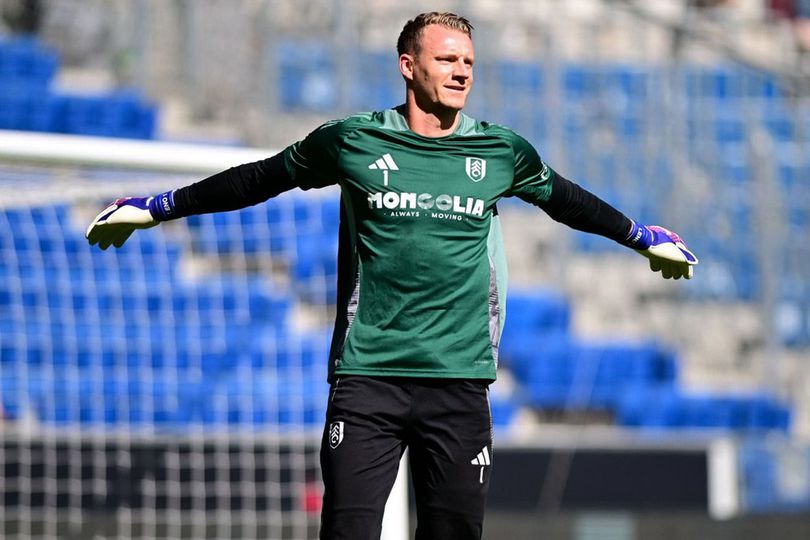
x,y
535,182
237,187
576,207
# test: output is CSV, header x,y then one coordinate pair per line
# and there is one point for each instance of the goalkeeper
x,y
420,282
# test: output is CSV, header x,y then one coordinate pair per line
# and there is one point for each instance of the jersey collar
x,y
394,119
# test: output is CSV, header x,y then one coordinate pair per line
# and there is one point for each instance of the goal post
x,y
176,387
49,149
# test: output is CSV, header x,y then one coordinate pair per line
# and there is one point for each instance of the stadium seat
x,y
521,77
277,400
19,104
655,408
27,59
307,75
758,467
379,83
12,397
503,410
563,373
285,349
27,69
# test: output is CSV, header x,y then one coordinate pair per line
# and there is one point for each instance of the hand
x,y
667,253
119,220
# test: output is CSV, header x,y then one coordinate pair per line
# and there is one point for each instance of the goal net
x,y
176,387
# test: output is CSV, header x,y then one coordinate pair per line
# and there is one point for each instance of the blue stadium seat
x,y
535,321
27,59
636,82
545,371
758,467
58,398
277,400
303,399
330,216
579,81
768,467
780,121
656,408
378,84
283,349
19,104
27,68
163,402
120,114
521,77
538,310
12,397
253,402
729,125
307,76
563,373
261,229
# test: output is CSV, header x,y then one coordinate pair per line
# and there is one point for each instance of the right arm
x,y
235,188
309,163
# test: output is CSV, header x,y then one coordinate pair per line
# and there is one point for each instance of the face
x,y
442,72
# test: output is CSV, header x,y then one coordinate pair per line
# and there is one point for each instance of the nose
x,y
462,70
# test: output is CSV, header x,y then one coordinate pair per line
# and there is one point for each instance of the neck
x,y
422,121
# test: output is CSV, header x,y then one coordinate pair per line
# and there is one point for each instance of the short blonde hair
x,y
409,38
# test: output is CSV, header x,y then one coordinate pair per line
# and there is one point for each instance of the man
x,y
415,344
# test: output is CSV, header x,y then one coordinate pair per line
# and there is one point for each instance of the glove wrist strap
x,y
162,206
640,237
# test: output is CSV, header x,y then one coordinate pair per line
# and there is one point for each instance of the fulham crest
x,y
335,434
476,168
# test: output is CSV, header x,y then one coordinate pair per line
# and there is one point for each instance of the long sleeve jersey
x,y
421,273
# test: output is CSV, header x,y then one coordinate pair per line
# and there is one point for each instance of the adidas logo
x,y
385,163
482,458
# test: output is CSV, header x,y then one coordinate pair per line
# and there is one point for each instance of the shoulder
x,y
342,127
524,153
360,119
516,140
471,126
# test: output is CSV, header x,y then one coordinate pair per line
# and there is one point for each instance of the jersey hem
x,y
489,375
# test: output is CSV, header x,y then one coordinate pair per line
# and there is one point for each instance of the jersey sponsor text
x,y
392,200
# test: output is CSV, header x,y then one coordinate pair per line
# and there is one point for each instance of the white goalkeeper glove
x,y
115,224
666,251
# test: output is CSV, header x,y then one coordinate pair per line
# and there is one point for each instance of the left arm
x,y
566,202
578,208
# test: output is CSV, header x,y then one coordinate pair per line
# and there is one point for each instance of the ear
x,y
406,66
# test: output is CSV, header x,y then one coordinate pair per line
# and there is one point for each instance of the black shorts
x,y
447,426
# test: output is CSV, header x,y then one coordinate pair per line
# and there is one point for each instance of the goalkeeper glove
x,y
666,251
118,221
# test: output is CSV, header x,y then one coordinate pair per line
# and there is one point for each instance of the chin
x,y
454,104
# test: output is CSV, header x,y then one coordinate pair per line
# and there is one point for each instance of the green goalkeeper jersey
x,y
421,270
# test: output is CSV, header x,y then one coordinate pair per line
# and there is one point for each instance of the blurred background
x,y
176,388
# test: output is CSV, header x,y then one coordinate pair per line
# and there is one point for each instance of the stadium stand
x,y
86,341
28,101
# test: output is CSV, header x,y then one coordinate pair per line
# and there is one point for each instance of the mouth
x,y
456,88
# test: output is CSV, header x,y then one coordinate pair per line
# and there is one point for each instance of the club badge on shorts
x,y
335,434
